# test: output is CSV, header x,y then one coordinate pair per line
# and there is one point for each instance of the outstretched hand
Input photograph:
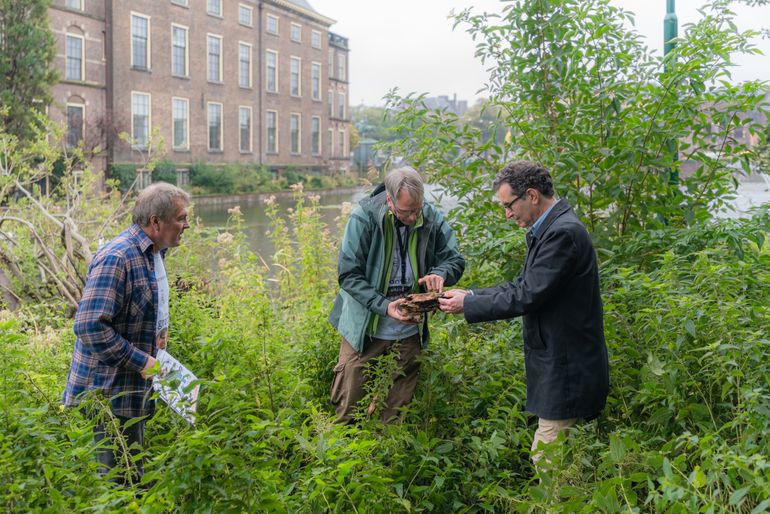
x,y
453,302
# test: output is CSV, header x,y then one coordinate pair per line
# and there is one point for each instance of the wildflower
x,y
234,210
270,200
314,198
225,238
297,188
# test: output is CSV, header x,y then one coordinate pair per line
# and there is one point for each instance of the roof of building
x,y
302,3
304,7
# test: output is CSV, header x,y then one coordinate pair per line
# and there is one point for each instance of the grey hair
x,y
158,199
404,178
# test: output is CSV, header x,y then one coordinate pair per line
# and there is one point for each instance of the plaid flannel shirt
x,y
115,326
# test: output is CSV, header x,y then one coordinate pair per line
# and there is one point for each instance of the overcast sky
x,y
410,44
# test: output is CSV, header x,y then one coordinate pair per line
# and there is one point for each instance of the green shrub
x,y
165,171
125,174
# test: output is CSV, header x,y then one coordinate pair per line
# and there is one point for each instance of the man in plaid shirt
x,y
122,320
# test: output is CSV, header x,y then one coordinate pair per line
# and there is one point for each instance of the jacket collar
x,y
557,210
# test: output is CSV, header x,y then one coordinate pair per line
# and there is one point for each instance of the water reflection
x,y
256,223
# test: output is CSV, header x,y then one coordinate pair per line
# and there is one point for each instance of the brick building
x,y
221,81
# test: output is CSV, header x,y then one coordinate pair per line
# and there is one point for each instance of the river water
x,y
256,223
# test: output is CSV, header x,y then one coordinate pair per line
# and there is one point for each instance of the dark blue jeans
x,y
121,453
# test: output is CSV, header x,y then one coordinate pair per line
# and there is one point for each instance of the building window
x,y
215,58
331,63
245,15
315,80
180,120
74,45
341,106
214,7
295,32
75,4
271,63
315,135
330,99
244,64
294,133
215,127
271,124
315,39
179,50
341,143
330,143
272,24
294,76
140,119
180,2
74,124
341,65
140,42
244,125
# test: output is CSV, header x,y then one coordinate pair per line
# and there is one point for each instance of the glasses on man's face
x,y
509,205
406,213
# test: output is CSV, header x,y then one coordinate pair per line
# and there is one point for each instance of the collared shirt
x,y
115,326
539,221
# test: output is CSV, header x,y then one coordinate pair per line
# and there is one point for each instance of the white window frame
x,y
79,7
267,71
331,141
240,134
208,54
183,3
82,107
186,145
295,59
268,18
342,66
316,151
298,117
343,143
298,28
213,13
242,9
135,144
186,50
341,105
221,127
82,57
315,36
241,45
331,63
267,132
148,49
315,81
330,100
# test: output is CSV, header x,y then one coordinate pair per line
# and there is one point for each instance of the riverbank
x,y
257,198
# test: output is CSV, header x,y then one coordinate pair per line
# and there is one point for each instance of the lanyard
x,y
403,247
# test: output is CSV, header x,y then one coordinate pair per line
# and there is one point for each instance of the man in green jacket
x,y
393,244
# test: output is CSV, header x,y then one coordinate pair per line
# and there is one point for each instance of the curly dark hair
x,y
523,175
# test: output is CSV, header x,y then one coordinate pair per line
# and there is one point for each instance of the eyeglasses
x,y
509,205
406,212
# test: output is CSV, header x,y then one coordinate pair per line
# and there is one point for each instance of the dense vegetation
x,y
684,430
686,298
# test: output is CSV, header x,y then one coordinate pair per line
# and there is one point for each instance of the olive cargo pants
x,y
348,384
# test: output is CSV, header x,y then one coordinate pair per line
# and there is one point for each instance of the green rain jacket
x,y
364,271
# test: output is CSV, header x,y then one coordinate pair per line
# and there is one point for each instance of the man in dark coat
x,y
557,293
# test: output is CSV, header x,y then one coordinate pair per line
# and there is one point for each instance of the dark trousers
x,y
120,452
348,385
